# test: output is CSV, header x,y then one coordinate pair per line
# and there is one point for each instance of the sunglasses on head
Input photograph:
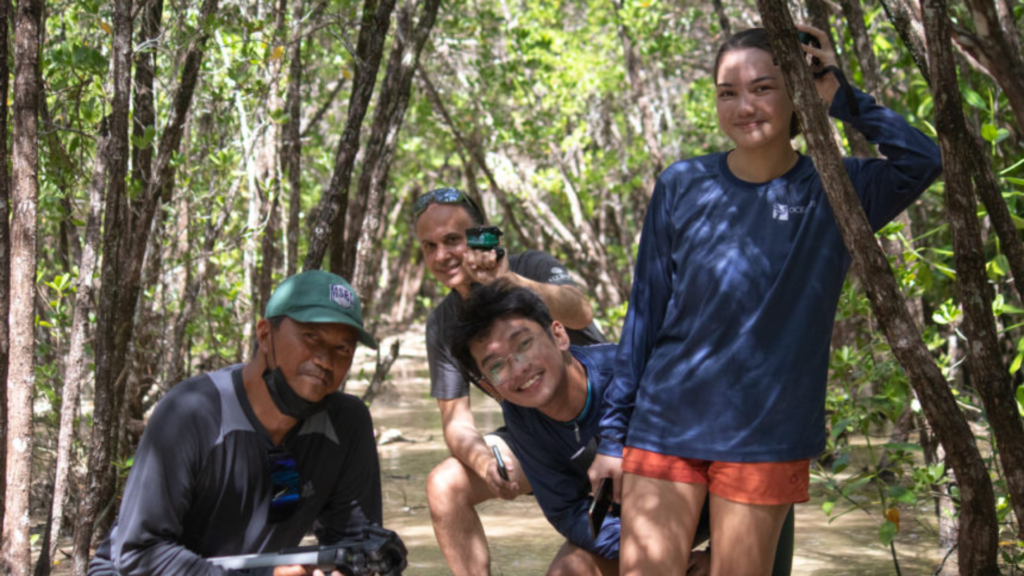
x,y
442,196
284,485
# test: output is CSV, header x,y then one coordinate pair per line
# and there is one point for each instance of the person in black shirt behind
x,y
470,476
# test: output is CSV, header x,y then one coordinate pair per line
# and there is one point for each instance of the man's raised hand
x,y
484,266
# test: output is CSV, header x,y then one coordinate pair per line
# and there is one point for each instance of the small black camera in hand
x,y
485,238
809,39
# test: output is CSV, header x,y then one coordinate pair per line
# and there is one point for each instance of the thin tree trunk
x,y
410,271
194,284
143,108
246,313
61,166
723,18
999,215
988,374
945,510
291,144
978,551
76,369
381,372
122,261
641,97
820,14
5,246
24,196
854,17
366,231
333,206
269,168
269,252
324,107
905,421
147,350
995,51
114,226
862,45
598,269
75,373
906,19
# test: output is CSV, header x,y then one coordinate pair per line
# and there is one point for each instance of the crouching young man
x,y
551,395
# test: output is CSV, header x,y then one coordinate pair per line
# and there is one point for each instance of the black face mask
x,y
286,400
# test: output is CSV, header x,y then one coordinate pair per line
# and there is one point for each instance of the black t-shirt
x,y
447,380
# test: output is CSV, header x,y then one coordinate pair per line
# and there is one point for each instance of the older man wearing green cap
x,y
248,458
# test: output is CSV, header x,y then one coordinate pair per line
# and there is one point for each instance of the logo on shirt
x,y
307,489
342,296
558,274
782,212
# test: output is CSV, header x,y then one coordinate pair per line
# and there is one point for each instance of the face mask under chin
x,y
286,400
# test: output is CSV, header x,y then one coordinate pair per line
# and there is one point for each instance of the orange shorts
x,y
762,483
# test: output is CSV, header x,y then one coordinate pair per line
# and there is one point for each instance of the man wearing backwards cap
x,y
247,459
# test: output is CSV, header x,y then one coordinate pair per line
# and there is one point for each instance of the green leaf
x,y
901,494
1000,265
841,463
1015,366
1020,399
1011,309
989,132
145,140
827,507
886,533
840,427
855,485
905,446
974,99
1016,165
1011,180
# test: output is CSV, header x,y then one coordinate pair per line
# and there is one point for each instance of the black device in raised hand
x,y
502,471
810,40
485,238
376,551
599,506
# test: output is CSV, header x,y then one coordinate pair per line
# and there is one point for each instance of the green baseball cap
x,y
319,297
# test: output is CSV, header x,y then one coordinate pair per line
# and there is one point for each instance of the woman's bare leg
x,y
744,537
659,518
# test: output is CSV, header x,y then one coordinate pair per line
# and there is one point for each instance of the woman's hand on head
x,y
827,84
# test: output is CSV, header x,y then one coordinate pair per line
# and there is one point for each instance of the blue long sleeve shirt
x,y
545,448
724,350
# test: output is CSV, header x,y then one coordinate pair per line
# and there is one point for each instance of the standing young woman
x,y
722,366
